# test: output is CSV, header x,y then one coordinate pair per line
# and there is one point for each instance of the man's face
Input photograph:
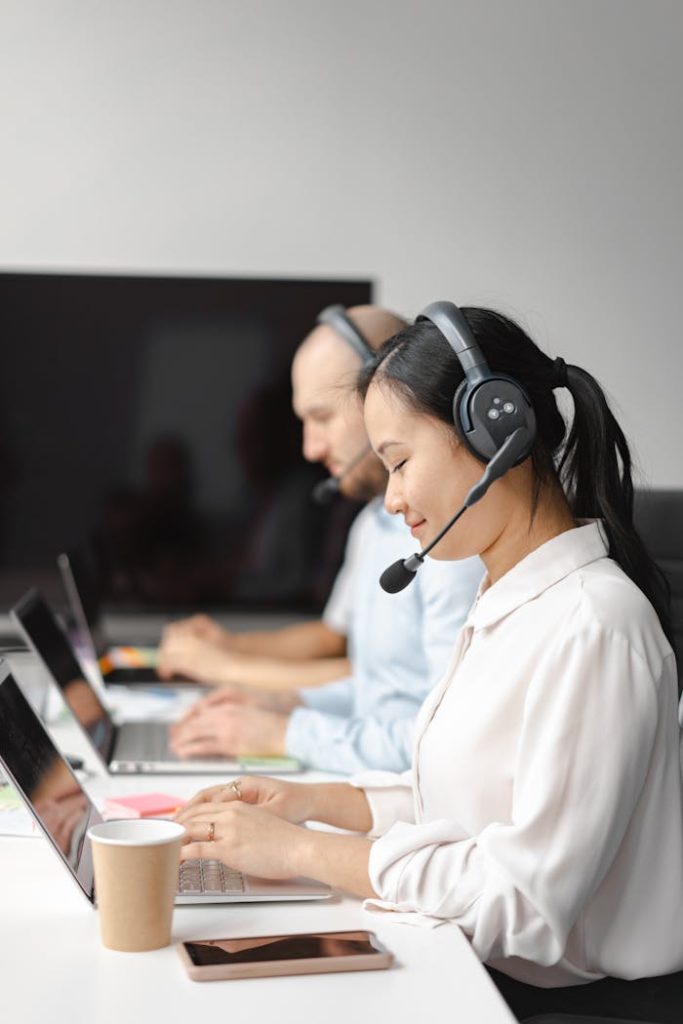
x,y
323,396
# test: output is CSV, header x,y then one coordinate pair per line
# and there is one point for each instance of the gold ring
x,y
235,787
212,832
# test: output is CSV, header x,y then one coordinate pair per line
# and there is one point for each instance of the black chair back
x,y
659,520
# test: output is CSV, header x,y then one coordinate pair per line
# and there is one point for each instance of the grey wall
x,y
525,154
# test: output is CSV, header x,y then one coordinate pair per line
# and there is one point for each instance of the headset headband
x,y
451,322
337,318
488,407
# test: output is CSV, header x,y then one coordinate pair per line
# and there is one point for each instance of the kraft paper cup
x,y
136,877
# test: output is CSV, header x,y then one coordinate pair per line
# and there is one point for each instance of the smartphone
x,y
267,955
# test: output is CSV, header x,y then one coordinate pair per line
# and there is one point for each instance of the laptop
x,y
64,813
131,748
111,664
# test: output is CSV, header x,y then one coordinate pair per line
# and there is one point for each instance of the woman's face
x,y
430,473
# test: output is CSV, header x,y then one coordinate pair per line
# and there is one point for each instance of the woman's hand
x,y
292,801
250,826
246,837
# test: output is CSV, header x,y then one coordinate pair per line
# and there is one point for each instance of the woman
x,y
543,810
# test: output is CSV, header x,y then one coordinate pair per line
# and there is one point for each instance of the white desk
x,y
53,966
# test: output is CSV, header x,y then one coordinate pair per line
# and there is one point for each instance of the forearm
x,y
339,861
341,805
271,674
298,642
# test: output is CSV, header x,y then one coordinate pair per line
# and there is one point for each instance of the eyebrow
x,y
386,444
311,410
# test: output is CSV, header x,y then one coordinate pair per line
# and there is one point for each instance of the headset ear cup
x,y
460,418
487,412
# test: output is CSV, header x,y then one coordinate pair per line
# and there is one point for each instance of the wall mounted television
x,y
149,419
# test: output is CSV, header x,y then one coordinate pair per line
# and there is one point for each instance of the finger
x,y
200,851
188,715
223,695
162,669
195,728
207,808
214,795
202,796
190,733
207,746
199,832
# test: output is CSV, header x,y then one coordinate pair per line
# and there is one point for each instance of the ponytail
x,y
595,472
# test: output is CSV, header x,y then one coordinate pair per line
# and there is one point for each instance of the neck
x,y
524,532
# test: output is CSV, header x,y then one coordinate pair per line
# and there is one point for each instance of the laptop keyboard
x,y
208,878
143,741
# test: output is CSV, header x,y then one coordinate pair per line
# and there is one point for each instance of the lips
x,y
416,525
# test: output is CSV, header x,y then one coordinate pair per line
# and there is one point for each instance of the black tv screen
x,y
149,419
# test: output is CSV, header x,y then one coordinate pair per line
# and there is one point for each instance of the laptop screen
x,y
43,632
82,577
42,777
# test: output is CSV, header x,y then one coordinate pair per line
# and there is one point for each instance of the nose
x,y
314,446
393,497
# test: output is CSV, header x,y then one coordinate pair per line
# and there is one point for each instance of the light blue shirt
x,y
399,646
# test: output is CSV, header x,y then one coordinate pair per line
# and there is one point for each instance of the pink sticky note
x,y
142,805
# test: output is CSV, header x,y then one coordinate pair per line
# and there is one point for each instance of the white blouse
x,y
543,813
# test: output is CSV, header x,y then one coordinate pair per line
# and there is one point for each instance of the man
x,y
340,694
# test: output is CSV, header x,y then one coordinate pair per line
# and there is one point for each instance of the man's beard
x,y
367,485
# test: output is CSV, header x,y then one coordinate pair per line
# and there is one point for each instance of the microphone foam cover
x,y
396,577
325,491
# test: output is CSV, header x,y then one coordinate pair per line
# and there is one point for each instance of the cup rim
x,y
173,830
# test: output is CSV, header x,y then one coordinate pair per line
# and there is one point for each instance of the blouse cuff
x,y
389,796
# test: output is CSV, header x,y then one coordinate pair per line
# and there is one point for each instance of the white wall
x,y
523,153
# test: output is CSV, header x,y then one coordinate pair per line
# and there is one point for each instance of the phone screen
x,y
281,947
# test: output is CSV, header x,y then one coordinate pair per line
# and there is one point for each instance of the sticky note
x,y
142,805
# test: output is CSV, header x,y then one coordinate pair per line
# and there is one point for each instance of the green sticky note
x,y
270,764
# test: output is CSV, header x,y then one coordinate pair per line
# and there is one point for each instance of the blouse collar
x,y
538,571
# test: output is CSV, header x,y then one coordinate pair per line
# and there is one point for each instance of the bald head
x,y
375,324
324,374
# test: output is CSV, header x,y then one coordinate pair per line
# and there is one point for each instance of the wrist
x,y
302,856
278,733
317,801
233,669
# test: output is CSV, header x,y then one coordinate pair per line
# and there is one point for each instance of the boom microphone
x,y
325,490
397,576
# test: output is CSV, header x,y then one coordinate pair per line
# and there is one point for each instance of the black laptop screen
x,y
45,781
53,647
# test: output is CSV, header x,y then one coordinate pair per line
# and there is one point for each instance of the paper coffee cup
x,y
136,878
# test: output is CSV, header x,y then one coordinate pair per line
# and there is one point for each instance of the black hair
x,y
591,460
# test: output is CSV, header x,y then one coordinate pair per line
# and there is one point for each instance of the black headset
x,y
337,318
487,406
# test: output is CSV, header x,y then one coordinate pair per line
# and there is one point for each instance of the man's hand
x,y
193,656
201,627
224,696
230,730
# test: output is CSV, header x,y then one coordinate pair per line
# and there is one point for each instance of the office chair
x,y
659,520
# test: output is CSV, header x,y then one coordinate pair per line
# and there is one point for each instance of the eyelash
x,y
398,466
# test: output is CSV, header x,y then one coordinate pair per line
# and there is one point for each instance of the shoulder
x,y
608,603
362,526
